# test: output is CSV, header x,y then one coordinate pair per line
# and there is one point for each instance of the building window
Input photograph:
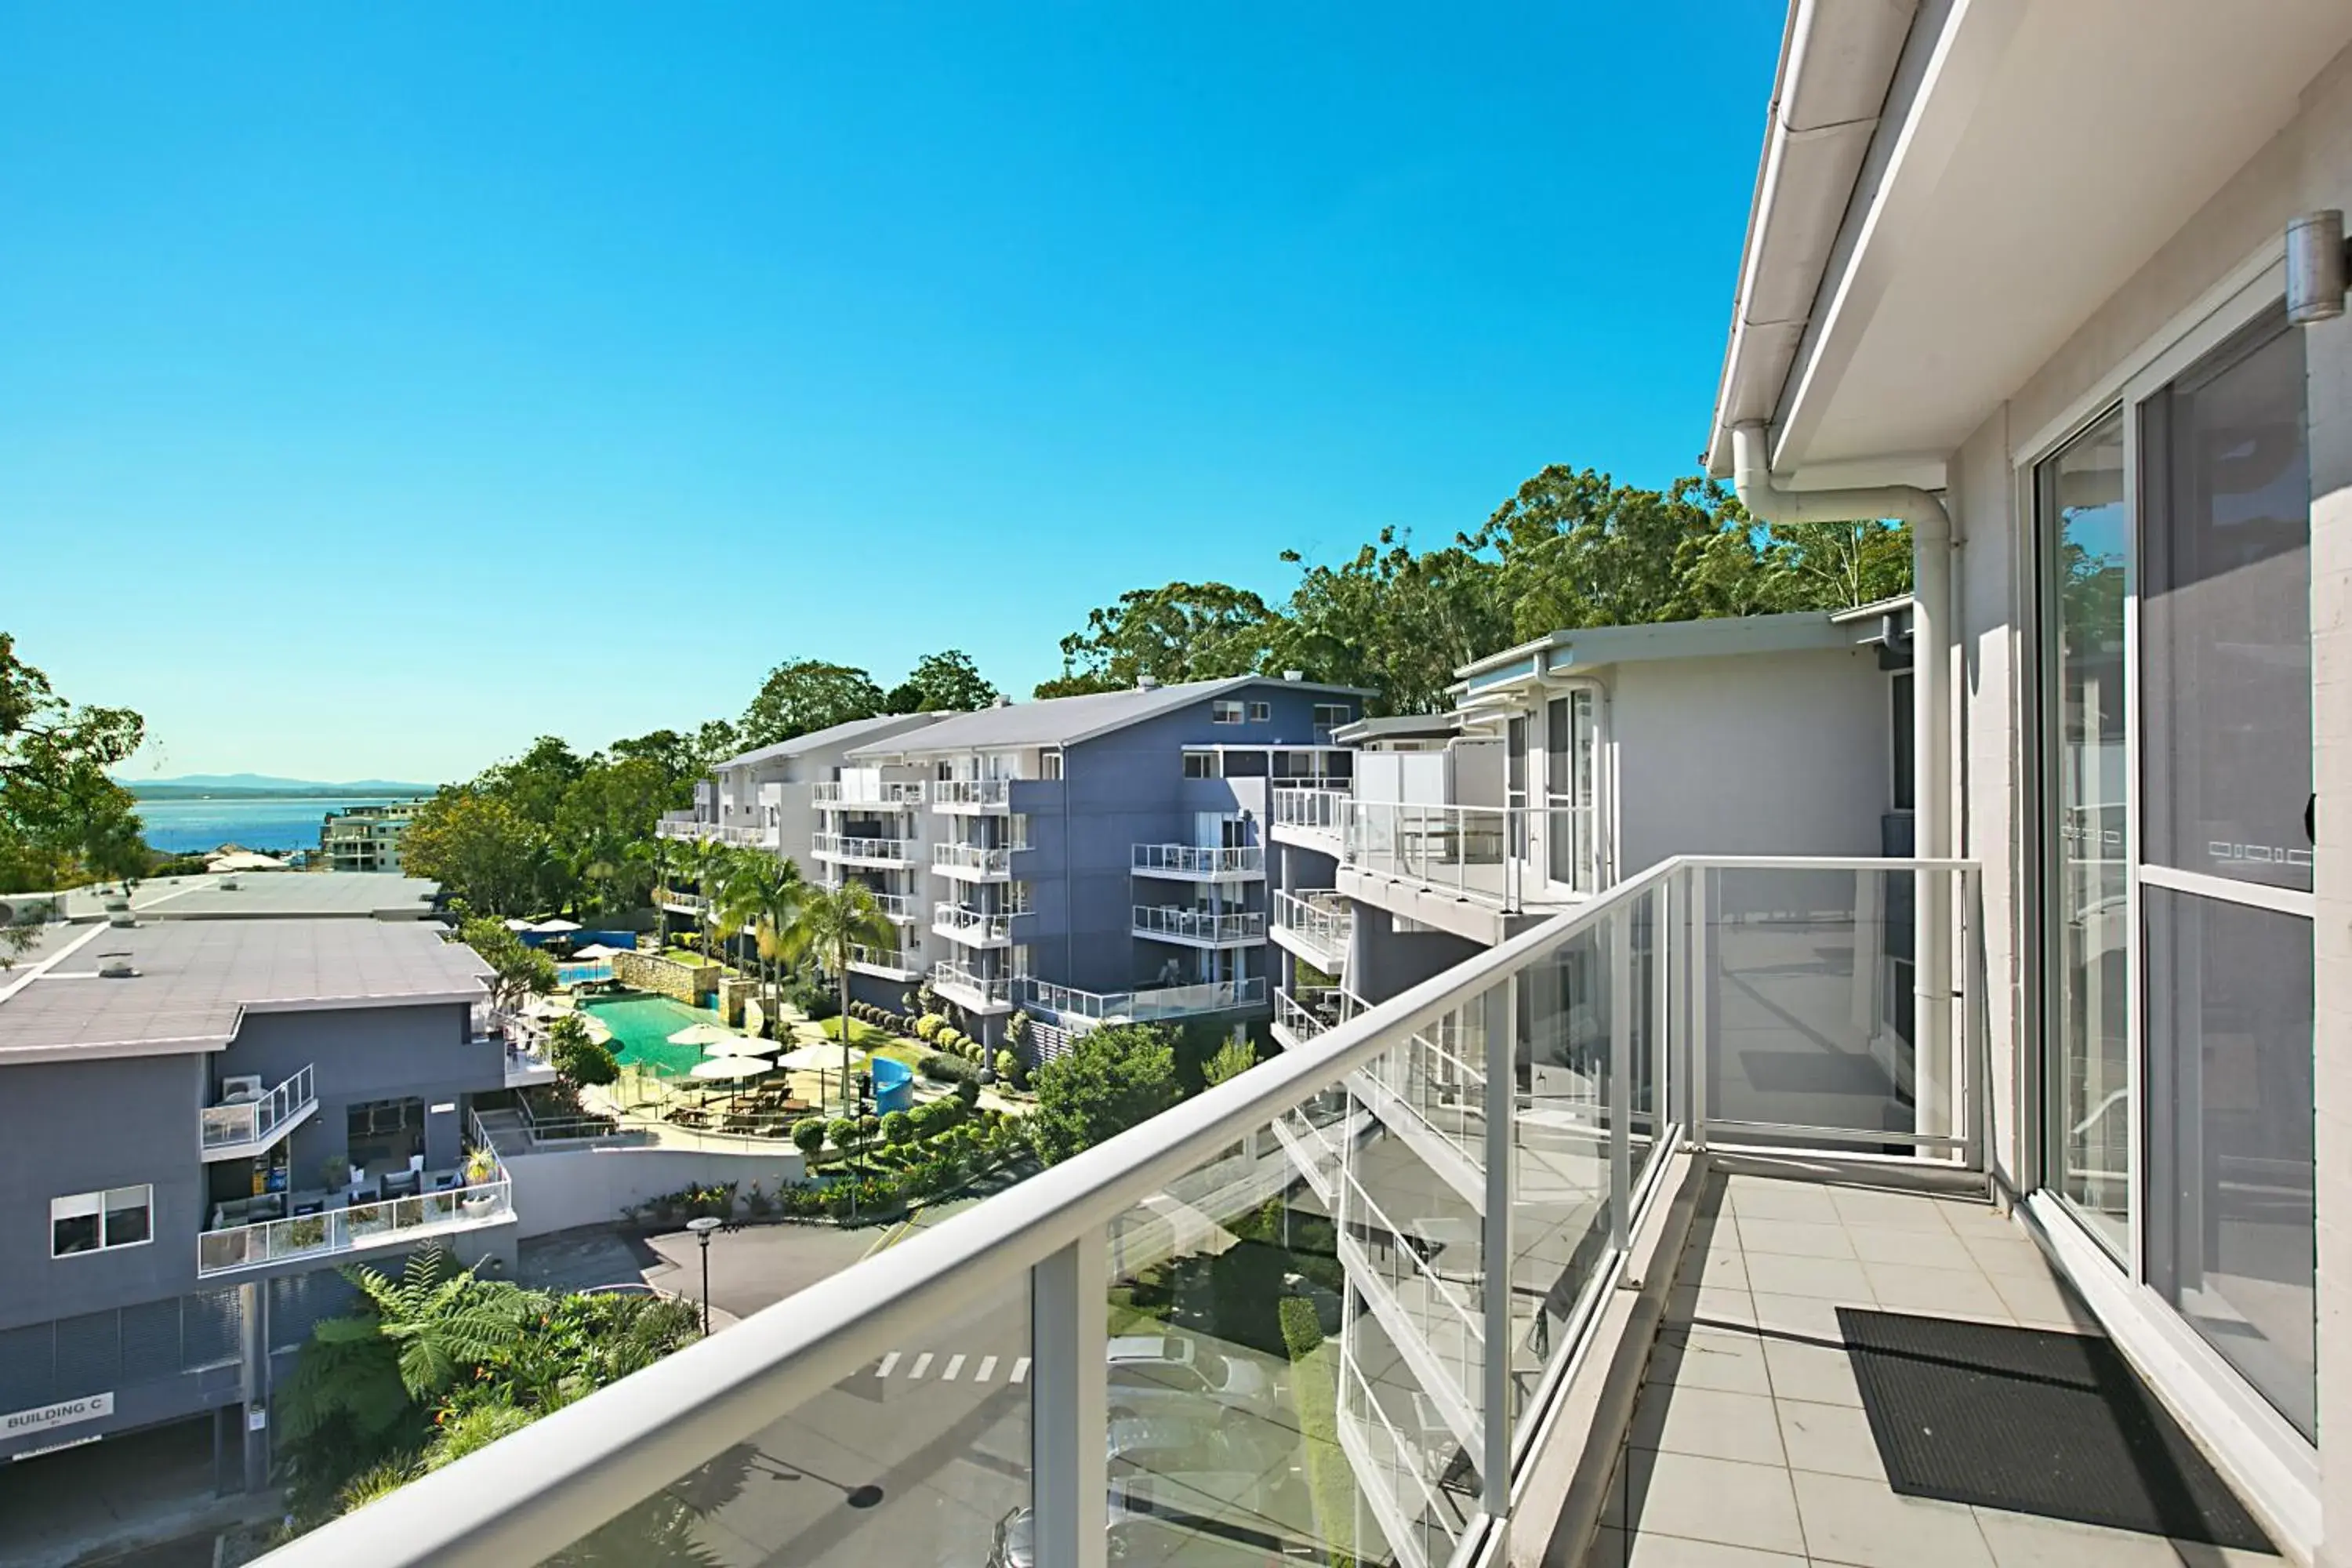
x,y
1016,831
1049,764
97,1222
1333,715
1203,766
1226,711
1260,712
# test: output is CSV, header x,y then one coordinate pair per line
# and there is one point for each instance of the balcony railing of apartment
x,y
338,1227
961,983
899,906
880,793
973,794
1485,854
1312,1010
893,960
1315,810
680,899
247,1127
1205,928
1146,1005
863,851
972,859
1195,862
1319,920
973,928
750,834
1586,1056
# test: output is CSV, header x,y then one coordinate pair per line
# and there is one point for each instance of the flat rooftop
x,y
270,895
197,979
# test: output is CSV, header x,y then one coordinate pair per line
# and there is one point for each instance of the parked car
x,y
1154,1373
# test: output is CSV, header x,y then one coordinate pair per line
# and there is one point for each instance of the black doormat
x,y
2056,1425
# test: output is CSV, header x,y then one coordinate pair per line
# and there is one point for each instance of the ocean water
x,y
253,822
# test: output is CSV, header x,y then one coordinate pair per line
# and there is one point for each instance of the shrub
x,y
946,1069
928,1025
898,1127
1302,1333
841,1132
968,1093
808,1135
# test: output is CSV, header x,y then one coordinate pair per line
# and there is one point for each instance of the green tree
x,y
763,897
578,1057
1110,1080
803,695
949,682
518,971
478,847
61,817
604,820
1838,565
826,926
1183,631
1393,620
1232,1058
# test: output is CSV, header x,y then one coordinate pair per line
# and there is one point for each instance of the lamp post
x,y
702,1228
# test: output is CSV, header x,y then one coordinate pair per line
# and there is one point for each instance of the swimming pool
x,y
642,1024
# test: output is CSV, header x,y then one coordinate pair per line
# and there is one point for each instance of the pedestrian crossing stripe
x,y
951,1371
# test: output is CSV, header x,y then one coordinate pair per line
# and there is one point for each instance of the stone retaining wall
x,y
651,972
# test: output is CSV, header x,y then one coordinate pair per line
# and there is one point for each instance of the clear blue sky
x,y
382,386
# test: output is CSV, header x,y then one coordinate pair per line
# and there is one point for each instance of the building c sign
x,y
65,1413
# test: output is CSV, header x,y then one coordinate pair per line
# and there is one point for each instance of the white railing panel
x,y
237,1126
1193,860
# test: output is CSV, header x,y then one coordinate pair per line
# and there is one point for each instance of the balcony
x,y
679,901
338,1226
1315,926
897,908
843,850
973,928
1302,1015
1199,863
1492,859
1619,1069
1188,927
1158,1004
875,793
890,964
747,835
252,1124
1313,816
971,862
972,797
973,991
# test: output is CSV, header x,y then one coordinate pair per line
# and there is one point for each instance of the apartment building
x,y
1572,761
199,1118
364,837
766,797
1081,859
2064,287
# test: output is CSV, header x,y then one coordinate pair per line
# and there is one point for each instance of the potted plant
x,y
480,1169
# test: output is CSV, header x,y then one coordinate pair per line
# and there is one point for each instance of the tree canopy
x,y
1110,1079
801,696
62,818
946,682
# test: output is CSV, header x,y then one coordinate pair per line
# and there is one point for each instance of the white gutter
x,y
1931,743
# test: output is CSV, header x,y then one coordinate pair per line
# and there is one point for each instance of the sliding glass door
x,y
2174,540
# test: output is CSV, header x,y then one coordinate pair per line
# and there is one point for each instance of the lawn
x,y
866,1038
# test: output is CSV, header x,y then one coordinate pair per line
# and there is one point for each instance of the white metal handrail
x,y
892,958
843,846
533,1494
1318,810
353,1228
893,793
896,906
1320,918
1200,925
972,792
1199,860
1314,1010
971,858
1149,1003
988,988
229,1126
971,925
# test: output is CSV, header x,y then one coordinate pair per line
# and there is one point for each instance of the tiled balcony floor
x,y
1750,1448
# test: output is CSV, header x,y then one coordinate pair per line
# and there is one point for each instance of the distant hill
x,y
213,784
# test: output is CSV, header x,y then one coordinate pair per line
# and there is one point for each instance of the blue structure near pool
x,y
894,1086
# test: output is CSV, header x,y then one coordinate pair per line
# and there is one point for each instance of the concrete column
x,y
1069,1330
253,1383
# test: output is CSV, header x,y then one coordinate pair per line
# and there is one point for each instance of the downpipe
x,y
1931,730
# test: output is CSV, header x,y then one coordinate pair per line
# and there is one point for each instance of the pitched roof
x,y
195,979
874,728
1067,721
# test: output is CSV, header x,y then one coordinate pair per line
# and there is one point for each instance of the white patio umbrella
x,y
556,927
595,953
740,1045
703,1035
516,923
818,1058
736,1069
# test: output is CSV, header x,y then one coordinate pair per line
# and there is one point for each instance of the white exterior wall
x,y
568,1188
1766,754
2307,165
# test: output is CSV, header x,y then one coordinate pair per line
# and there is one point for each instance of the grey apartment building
x,y
199,1118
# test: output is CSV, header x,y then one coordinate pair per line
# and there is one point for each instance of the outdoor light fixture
x,y
2316,267
702,1228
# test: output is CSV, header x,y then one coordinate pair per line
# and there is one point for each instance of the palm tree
x,y
666,859
827,923
763,898
707,864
